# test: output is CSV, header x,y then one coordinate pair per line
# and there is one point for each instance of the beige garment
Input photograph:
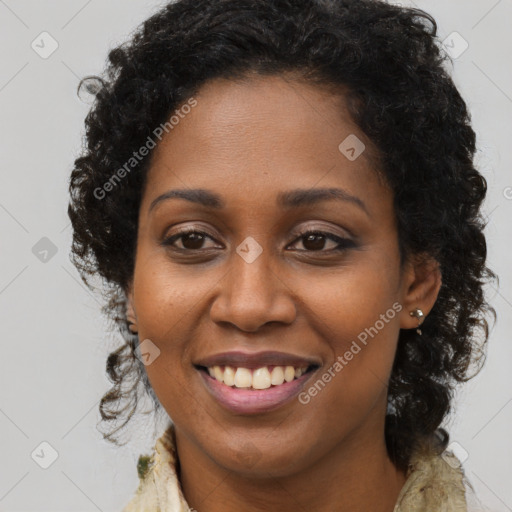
x,y
434,483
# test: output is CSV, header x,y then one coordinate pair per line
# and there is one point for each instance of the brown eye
x,y
191,240
314,242
317,240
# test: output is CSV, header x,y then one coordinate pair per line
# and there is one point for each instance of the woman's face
x,y
250,289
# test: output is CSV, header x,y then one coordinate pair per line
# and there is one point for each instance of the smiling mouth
x,y
261,378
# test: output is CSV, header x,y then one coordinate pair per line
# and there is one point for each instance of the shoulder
x,y
159,489
436,481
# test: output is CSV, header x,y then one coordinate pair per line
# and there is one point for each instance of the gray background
x,y
54,344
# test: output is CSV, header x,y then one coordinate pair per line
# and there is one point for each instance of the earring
x,y
418,313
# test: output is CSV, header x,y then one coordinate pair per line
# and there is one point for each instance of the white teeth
x,y
260,378
289,373
277,376
219,374
229,376
243,378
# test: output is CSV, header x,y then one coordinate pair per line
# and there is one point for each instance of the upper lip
x,y
253,360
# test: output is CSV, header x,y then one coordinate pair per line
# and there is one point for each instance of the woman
x,y
282,199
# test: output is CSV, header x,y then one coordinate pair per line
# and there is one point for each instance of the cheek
x,y
166,303
359,313
357,316
167,297
355,299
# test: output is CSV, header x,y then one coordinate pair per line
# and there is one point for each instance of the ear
x,y
421,284
130,310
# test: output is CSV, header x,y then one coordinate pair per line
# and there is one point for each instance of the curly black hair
x,y
390,65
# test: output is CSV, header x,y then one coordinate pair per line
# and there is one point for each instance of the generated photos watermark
x,y
101,192
355,348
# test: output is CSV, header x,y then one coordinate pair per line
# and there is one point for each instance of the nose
x,y
253,294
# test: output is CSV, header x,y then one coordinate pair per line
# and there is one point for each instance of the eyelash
x,y
343,243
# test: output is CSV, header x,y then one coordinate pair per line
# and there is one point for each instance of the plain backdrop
x,y
55,341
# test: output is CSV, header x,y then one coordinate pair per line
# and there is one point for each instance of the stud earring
x,y
418,313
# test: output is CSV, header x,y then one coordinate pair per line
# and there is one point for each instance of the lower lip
x,y
254,401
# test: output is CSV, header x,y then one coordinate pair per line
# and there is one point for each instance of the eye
x,y
191,240
315,241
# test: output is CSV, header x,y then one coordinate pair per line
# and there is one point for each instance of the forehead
x,y
251,139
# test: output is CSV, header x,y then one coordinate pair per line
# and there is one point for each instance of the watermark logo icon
x,y
249,249
352,147
44,45
455,45
147,352
44,455
455,455
44,250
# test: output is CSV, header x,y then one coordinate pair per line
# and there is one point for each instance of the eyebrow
x,y
287,199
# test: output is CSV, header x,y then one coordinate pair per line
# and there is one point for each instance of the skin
x,y
247,141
